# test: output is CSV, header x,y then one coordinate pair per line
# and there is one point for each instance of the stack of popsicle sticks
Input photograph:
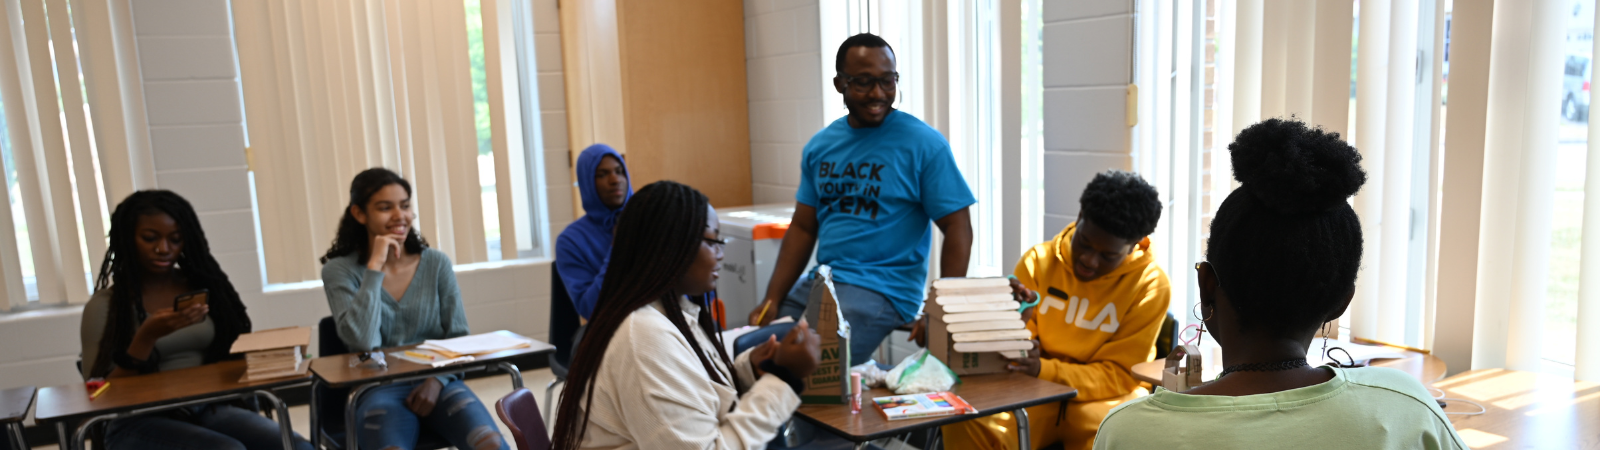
x,y
980,315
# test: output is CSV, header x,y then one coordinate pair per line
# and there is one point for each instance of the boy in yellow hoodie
x,y
1102,299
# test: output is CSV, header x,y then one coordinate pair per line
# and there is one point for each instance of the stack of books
x,y
274,353
976,315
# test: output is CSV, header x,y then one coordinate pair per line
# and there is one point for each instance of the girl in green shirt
x,y
1281,262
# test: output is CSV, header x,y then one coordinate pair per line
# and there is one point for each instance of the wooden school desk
x,y
1426,367
1523,410
161,391
336,372
14,405
990,394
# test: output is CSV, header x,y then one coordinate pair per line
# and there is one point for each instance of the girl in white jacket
x,y
651,371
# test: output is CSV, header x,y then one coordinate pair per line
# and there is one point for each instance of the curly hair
x,y
1286,245
1122,203
352,235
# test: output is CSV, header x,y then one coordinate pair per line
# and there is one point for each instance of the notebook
x,y
897,407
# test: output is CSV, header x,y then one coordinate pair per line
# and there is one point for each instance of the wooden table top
x,y
337,372
988,393
1524,410
72,401
14,403
1426,367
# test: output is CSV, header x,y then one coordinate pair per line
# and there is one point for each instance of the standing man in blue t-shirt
x,y
870,184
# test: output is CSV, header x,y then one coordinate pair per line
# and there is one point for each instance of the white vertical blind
x,y
1394,236
65,86
1588,348
335,87
1249,21
83,170
1524,88
11,284
500,65
1372,66
111,79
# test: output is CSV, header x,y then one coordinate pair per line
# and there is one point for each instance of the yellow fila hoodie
x,y
1092,333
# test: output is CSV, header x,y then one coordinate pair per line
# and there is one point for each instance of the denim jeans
x,y
458,416
208,427
871,315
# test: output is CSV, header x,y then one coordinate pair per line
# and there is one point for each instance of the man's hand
x,y
1028,365
765,312
919,332
423,397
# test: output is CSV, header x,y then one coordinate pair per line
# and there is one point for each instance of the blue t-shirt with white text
x,y
876,191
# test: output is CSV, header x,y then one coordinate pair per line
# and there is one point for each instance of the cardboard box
x,y
827,385
277,338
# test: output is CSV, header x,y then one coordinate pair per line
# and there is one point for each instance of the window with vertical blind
x,y
429,89
1175,144
1206,70
73,125
1377,72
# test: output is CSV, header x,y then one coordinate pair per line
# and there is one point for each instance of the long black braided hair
x,y
658,237
121,272
352,235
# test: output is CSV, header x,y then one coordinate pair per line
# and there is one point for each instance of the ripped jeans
x,y
458,416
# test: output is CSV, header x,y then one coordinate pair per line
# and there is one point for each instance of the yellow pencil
x,y
101,390
420,355
764,307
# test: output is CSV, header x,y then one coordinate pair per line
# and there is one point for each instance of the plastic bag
x,y
920,374
871,375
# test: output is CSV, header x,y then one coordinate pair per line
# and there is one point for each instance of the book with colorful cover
x,y
896,407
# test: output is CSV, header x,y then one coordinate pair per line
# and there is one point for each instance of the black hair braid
x,y
658,237
1286,245
120,271
1121,203
352,235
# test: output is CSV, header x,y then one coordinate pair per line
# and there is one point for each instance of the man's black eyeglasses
x,y
865,83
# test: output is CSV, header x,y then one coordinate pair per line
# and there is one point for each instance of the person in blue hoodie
x,y
584,247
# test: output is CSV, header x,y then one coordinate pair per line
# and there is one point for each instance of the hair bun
x,y
1292,168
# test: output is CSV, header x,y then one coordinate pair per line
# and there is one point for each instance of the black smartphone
x,y
188,299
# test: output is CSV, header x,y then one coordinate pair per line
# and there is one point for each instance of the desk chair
x,y
1168,339
565,331
520,412
333,400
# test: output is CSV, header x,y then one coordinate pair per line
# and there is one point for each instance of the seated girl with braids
x,y
1281,261
652,371
387,288
157,252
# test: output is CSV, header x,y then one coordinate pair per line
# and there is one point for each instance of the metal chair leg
x,y
549,393
514,372
1024,438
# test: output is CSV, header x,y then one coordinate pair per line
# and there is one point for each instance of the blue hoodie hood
x,y
584,247
595,211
